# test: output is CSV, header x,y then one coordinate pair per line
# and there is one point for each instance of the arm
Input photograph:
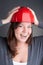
x,y
7,20
4,21
36,22
40,25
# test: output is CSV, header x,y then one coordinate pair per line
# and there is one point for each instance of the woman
x,y
20,48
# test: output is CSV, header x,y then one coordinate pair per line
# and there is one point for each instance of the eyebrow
x,y
23,25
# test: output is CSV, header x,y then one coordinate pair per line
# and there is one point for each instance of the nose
x,y
24,30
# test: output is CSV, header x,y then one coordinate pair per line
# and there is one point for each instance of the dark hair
x,y
12,41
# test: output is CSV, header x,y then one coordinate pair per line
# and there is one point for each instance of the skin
x,y
9,15
22,33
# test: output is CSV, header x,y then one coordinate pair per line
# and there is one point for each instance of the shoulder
x,y
3,50
38,43
3,39
3,45
38,39
3,42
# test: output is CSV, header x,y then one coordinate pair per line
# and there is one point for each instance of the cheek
x,y
17,32
30,31
19,29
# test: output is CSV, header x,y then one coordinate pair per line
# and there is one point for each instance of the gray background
x,y
7,5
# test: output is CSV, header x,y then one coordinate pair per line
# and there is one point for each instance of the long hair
x,y
12,41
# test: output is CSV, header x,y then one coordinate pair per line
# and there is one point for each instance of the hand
x,y
7,20
36,22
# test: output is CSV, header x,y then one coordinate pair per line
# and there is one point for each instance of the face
x,y
23,31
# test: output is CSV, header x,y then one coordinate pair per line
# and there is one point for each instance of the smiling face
x,y
23,31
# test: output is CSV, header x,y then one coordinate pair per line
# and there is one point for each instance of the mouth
x,y
24,36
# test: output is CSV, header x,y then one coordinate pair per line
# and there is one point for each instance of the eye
x,y
20,26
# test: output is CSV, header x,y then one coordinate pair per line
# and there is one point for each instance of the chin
x,y
23,41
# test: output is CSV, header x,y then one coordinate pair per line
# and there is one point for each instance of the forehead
x,y
25,23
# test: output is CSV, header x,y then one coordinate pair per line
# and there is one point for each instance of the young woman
x,y
20,48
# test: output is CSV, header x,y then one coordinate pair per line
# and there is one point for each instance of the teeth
x,y
23,36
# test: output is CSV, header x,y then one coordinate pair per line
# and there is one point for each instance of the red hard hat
x,y
23,15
